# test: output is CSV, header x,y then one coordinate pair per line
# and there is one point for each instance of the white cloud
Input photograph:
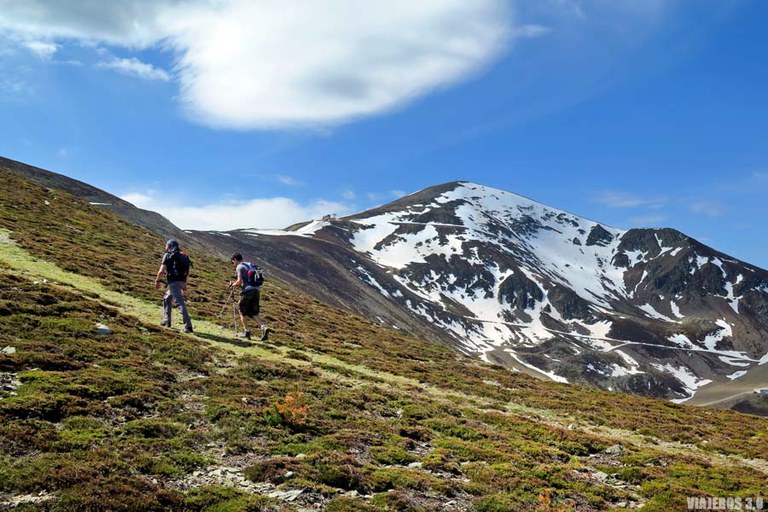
x,y
269,64
146,201
263,213
131,23
321,63
348,194
42,49
134,67
616,199
287,180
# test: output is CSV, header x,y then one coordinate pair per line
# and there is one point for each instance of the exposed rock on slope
x,y
650,311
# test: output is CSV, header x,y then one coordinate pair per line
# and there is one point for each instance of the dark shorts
x,y
249,303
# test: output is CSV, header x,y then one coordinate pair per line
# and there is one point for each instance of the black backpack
x,y
254,275
177,266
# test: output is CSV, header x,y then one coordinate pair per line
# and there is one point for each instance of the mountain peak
x,y
543,290
454,202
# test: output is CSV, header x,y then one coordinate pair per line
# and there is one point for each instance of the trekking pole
x,y
226,302
234,319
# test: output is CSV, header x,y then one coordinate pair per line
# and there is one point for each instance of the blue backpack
x,y
254,275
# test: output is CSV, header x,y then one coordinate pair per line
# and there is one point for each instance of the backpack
x,y
254,275
177,266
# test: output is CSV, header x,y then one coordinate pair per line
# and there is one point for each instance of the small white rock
x,y
287,495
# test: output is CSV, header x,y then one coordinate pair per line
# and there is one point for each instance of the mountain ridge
x,y
102,409
146,218
538,322
480,261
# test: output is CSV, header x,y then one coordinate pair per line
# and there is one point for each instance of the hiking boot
x,y
188,330
264,333
246,335
165,323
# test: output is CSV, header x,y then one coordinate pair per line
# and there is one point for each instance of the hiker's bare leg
x,y
243,322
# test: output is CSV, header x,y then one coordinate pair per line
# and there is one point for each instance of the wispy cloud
x,y
42,49
616,199
530,31
135,67
70,62
13,88
263,213
585,9
348,194
287,180
708,208
337,60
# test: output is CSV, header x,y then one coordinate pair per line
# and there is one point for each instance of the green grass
x,y
125,421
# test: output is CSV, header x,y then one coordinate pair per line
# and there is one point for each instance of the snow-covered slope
x,y
536,288
509,247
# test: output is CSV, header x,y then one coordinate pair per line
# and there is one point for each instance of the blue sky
x,y
244,113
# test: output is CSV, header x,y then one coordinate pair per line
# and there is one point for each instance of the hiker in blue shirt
x,y
249,278
175,265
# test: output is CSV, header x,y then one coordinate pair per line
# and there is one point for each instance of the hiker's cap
x,y
172,244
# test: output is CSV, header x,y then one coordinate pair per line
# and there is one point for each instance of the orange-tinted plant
x,y
291,411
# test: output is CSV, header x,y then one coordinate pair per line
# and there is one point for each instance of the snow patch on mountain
x,y
733,301
712,339
366,277
622,371
736,375
630,361
681,340
651,312
500,272
551,375
736,361
312,228
684,375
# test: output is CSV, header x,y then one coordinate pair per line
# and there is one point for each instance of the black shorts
x,y
249,302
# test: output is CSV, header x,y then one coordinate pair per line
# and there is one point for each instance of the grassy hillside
x,y
334,413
